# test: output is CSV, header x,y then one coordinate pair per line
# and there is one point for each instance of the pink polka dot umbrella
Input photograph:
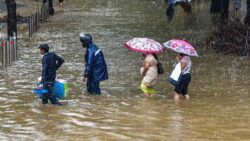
x,y
144,45
181,46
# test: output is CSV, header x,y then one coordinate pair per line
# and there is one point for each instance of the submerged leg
x,y
147,91
93,87
54,101
51,96
186,96
176,96
45,99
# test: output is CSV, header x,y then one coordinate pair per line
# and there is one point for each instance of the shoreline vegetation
x,y
232,37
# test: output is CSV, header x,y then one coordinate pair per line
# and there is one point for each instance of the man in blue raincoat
x,y
95,65
50,64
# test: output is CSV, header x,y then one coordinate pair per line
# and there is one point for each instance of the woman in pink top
x,y
182,88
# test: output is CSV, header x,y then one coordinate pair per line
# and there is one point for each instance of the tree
x,y
224,10
51,8
247,18
222,6
11,19
215,6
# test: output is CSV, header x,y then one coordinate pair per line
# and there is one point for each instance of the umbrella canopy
x,y
144,45
181,46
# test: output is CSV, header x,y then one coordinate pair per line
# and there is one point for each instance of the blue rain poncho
x,y
95,65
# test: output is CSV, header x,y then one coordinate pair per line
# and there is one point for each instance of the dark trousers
x,y
182,88
49,96
93,87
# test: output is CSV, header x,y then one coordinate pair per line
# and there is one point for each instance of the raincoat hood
x,y
86,38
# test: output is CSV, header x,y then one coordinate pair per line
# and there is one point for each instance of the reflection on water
x,y
219,105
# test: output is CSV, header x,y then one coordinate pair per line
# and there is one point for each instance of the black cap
x,y
45,47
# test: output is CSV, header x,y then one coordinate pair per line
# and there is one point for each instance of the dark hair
x,y
182,54
155,56
45,47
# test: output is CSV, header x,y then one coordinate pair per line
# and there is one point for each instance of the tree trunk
x,y
237,6
225,10
215,6
247,18
11,20
51,8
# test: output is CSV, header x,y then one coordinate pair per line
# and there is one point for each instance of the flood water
x,y
219,90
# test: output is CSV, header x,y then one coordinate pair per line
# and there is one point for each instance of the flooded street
x,y
219,90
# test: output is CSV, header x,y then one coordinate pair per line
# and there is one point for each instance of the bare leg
x,y
176,96
186,96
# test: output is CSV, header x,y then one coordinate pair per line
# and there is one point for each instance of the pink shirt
x,y
186,59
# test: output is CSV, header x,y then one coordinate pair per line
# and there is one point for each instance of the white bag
x,y
175,76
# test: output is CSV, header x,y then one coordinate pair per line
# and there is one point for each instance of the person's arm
x,y
183,65
145,69
44,71
183,62
60,61
89,63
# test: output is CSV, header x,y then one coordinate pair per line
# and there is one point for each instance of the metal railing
x,y
8,45
44,12
9,50
33,23
37,18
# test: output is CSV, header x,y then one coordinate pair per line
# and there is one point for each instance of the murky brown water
x,y
220,100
